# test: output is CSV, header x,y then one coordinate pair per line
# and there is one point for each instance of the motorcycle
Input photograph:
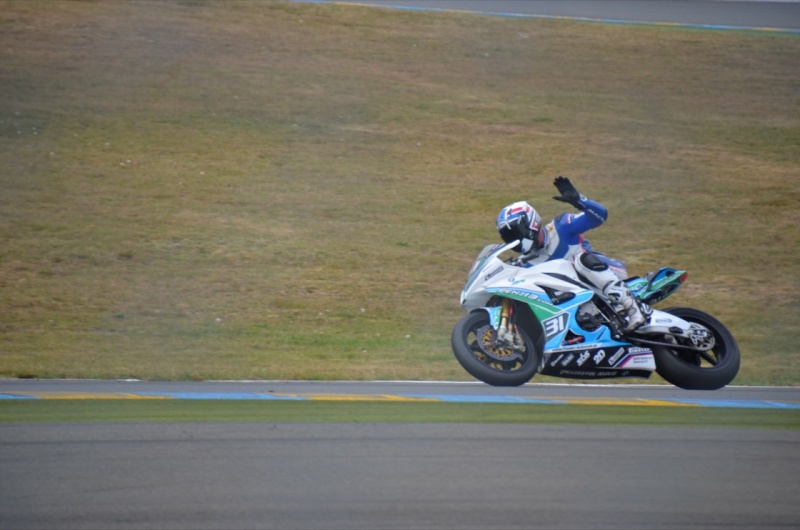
x,y
522,320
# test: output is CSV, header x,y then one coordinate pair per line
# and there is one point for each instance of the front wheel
x,y
474,345
692,370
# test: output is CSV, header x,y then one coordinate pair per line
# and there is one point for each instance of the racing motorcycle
x,y
522,320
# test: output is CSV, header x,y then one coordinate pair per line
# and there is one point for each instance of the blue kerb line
x,y
718,27
220,395
467,398
409,398
737,403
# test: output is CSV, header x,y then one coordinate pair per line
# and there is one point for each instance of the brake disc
x,y
701,337
488,343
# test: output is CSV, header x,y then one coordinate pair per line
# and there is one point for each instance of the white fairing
x,y
567,328
495,274
577,340
663,324
660,322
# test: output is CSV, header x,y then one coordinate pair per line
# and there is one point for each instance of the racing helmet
x,y
519,221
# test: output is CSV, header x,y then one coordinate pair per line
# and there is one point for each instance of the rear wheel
x,y
696,370
475,347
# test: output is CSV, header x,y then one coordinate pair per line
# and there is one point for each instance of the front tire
x,y
471,342
692,370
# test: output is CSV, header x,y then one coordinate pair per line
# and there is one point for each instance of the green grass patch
x,y
270,190
114,411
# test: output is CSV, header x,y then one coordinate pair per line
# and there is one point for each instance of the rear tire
x,y
691,371
497,367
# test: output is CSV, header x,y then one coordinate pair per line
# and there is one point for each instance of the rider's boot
x,y
626,305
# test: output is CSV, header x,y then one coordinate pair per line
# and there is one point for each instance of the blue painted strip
x,y
717,27
221,395
467,398
738,403
441,398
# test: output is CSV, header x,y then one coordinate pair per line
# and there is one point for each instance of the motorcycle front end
x,y
487,342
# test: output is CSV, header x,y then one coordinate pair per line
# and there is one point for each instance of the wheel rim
x,y
705,360
502,359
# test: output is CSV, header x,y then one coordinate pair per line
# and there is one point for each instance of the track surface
x,y
715,14
352,475
731,397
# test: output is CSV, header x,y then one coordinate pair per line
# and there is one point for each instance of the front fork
x,y
507,333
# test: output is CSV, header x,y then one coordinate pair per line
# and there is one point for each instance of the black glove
x,y
568,192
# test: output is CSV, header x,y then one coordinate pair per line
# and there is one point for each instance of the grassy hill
x,y
239,189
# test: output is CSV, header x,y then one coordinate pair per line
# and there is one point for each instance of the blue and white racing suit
x,y
563,237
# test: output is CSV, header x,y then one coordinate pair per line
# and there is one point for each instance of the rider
x,y
562,239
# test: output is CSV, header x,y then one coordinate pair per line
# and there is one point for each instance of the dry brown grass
x,y
273,190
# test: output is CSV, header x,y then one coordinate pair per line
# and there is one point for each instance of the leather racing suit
x,y
563,239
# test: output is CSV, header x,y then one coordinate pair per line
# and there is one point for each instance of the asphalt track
x,y
388,475
760,15
465,392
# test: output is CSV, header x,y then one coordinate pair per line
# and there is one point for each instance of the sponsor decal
x,y
514,281
494,273
578,373
614,358
593,213
599,356
631,355
585,362
588,373
524,293
583,358
554,326
639,359
550,230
